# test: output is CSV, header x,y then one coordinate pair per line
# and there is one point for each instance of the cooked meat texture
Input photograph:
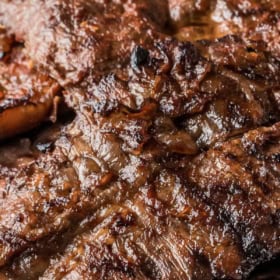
x,y
253,19
193,222
159,205
203,97
27,97
120,192
48,194
133,241
105,66
38,191
241,179
74,38
217,217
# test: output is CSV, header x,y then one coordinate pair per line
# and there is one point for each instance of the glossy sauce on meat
x,y
170,167
27,97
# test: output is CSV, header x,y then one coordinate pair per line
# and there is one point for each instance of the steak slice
x,y
38,191
215,218
123,180
241,179
27,97
87,29
133,242
217,89
257,20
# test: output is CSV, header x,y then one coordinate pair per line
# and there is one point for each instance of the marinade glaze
x,y
170,168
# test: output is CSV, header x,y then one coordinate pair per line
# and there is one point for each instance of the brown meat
x,y
241,179
27,97
209,219
120,193
146,65
75,38
253,19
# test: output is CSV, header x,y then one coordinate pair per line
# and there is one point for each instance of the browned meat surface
x,y
170,167
241,178
202,220
27,97
254,19
104,68
74,39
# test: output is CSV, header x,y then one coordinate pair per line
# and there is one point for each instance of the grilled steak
x,y
253,19
170,167
27,97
